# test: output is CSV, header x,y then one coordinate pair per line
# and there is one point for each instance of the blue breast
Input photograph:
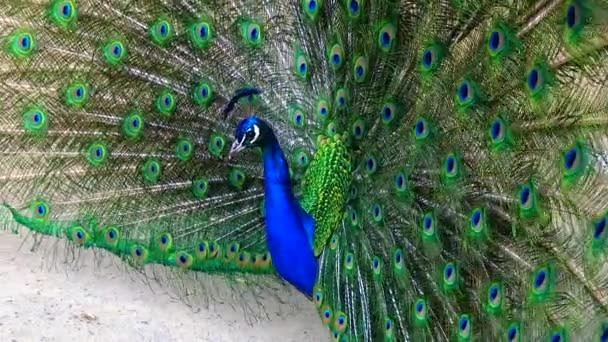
x,y
288,228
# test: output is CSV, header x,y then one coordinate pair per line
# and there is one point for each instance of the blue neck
x,y
276,170
288,229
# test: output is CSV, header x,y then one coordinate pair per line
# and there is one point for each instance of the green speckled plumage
x,y
453,154
325,188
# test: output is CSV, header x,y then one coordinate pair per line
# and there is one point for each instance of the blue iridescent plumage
x,y
289,230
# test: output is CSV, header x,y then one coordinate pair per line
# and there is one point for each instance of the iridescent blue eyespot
x,y
428,226
420,310
161,31
203,94
524,196
354,220
464,327
349,261
341,98
114,52
427,58
570,158
449,271
312,5
25,42
604,333
300,64
201,33
493,293
533,79
111,236
496,42
377,213
464,323
97,154
358,129
556,337
513,333
360,68
335,56
421,129
539,279
371,165
497,130
464,92
63,12
573,16
376,266
495,297
252,34
431,58
387,112
495,39
450,164
398,257
599,227
476,218
399,181
386,36
354,8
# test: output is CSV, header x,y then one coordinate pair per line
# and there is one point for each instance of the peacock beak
x,y
236,147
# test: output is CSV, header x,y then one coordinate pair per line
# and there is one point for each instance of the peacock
x,y
420,170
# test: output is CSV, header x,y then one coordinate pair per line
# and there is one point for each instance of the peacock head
x,y
251,132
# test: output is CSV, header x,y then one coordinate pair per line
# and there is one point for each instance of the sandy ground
x,y
42,299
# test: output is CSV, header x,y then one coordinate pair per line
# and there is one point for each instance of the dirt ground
x,y
44,299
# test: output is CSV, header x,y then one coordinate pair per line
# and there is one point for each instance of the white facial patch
x,y
256,131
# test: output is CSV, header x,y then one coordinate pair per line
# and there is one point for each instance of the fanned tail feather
x,y
476,132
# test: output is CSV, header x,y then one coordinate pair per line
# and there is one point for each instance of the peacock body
x,y
422,170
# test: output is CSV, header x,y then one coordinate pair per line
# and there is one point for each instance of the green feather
x,y
452,154
326,182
